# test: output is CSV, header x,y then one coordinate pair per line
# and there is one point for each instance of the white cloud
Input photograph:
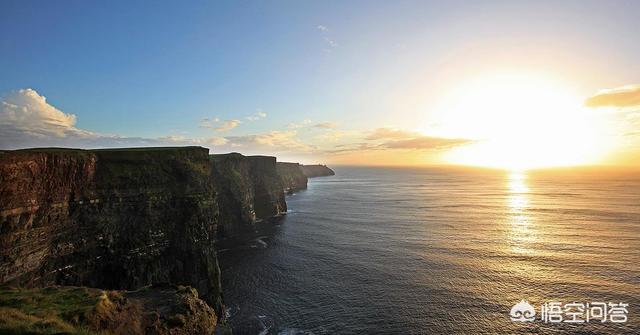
x,y
333,136
27,113
302,124
227,125
330,42
217,141
173,138
620,97
325,125
209,122
308,123
257,116
390,133
392,138
217,125
28,120
274,140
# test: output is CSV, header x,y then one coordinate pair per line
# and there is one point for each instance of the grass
x,y
48,311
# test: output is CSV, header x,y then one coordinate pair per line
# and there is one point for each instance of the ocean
x,y
441,251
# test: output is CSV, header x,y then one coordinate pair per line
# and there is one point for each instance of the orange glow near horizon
x,y
521,121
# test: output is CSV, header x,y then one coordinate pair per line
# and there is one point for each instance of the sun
x,y
520,121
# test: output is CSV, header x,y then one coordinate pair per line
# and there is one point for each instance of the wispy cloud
x,y
392,138
309,124
208,122
258,115
333,136
273,141
297,125
325,125
329,41
390,133
396,139
227,125
425,143
217,125
620,97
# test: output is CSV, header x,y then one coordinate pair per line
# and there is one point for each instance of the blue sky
x,y
152,69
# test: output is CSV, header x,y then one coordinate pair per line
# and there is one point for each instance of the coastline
x,y
128,218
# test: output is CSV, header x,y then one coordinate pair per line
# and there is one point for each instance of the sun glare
x,y
520,122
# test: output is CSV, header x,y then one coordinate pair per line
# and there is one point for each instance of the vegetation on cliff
x,y
82,311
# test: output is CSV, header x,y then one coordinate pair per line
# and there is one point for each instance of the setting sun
x,y
319,167
520,121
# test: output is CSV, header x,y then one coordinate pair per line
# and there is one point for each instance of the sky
x,y
513,84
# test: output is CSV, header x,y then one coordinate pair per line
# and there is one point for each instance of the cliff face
x,y
317,171
127,218
117,219
291,176
234,187
268,190
249,190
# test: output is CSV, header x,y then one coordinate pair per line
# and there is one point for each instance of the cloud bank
x,y
401,139
28,120
25,113
621,97
274,141
392,138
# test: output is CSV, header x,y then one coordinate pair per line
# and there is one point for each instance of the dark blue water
x,y
417,251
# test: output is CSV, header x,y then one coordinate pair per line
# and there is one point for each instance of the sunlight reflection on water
x,y
427,251
522,232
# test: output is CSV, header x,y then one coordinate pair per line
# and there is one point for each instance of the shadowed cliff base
x,y
122,219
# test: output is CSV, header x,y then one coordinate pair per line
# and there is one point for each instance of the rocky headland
x,y
124,219
316,171
292,176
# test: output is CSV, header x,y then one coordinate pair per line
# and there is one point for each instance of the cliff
x,y
291,176
317,171
114,219
122,219
249,189
234,188
268,190
158,310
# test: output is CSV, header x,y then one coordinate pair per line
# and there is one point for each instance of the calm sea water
x,y
436,251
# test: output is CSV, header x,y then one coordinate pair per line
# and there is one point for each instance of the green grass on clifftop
x,y
53,310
